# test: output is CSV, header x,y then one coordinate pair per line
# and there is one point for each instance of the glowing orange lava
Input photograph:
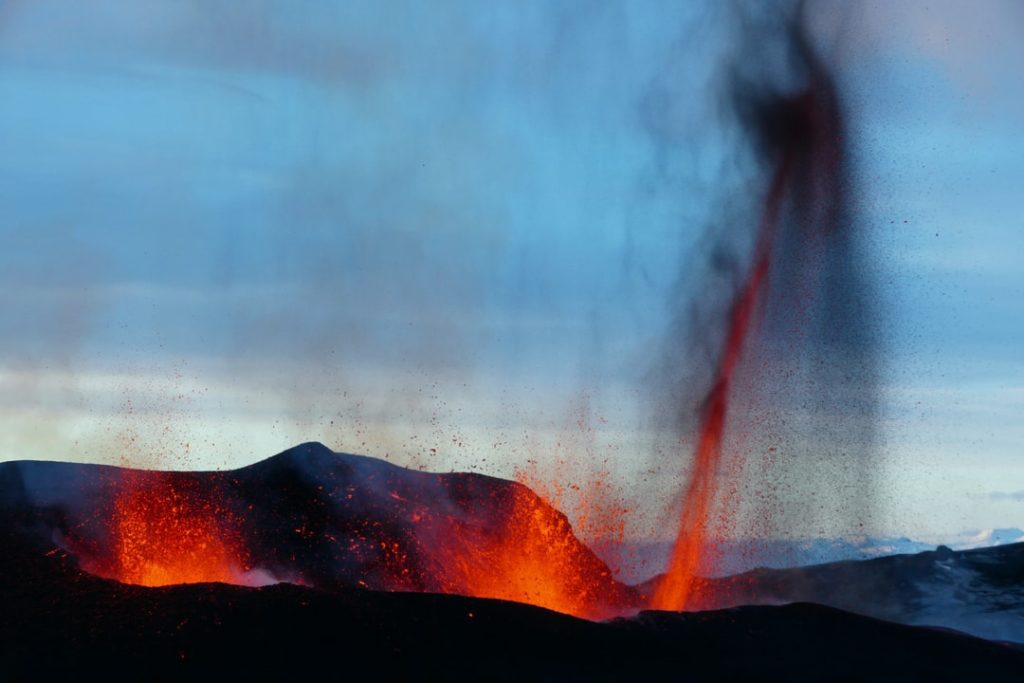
x,y
535,559
166,531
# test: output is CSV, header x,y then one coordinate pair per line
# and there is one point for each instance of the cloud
x,y
258,37
1007,496
977,44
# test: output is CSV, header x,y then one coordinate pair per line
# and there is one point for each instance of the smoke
x,y
770,370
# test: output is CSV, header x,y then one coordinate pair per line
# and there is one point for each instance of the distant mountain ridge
x,y
978,591
988,538
639,562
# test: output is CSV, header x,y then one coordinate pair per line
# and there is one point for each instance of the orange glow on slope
x,y
172,528
164,532
677,589
535,559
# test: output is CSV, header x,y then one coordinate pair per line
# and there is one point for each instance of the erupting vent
x,y
166,529
535,558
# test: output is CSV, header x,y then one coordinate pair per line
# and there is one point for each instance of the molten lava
x,y
334,521
165,530
534,558
675,589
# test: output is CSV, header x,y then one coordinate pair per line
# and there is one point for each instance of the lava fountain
x,y
800,274
165,528
675,588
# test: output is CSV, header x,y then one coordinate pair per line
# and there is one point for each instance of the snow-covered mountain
x,y
638,562
987,538
979,591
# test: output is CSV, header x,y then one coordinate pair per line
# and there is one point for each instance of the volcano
x,y
276,568
316,518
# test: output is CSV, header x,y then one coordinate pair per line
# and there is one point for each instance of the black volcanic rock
x,y
323,516
60,622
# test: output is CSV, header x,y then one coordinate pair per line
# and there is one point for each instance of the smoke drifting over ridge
x,y
770,364
447,194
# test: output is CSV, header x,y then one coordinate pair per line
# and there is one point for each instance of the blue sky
x,y
448,233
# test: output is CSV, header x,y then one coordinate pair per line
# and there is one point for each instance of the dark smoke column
x,y
796,333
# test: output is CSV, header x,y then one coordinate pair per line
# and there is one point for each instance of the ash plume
x,y
770,364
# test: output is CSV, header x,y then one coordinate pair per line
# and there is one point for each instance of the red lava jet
x,y
676,586
800,137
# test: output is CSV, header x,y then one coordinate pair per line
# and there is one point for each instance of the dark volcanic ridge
x,y
368,549
60,621
317,518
